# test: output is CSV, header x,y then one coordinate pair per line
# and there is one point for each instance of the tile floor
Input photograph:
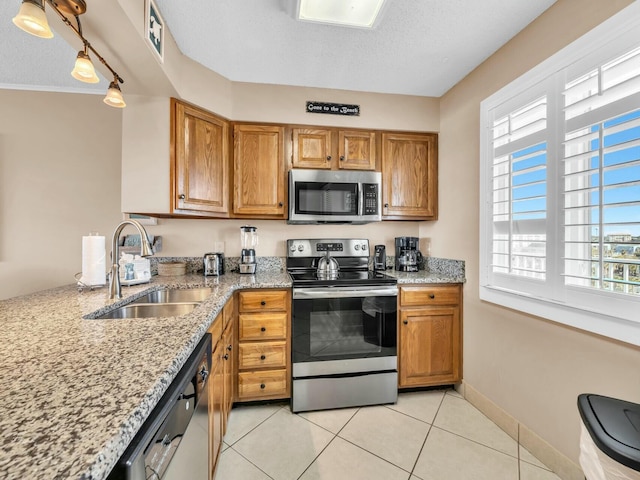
x,y
434,435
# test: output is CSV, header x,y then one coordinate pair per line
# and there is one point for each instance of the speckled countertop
x,y
74,391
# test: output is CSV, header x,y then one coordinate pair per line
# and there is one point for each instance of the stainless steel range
x,y
344,339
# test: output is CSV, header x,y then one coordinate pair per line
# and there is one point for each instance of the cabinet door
x,y
259,171
200,162
357,150
311,148
228,372
429,346
409,176
216,398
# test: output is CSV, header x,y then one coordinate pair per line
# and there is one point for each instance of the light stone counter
x,y
74,391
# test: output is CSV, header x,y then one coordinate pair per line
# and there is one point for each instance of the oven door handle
x,y
342,292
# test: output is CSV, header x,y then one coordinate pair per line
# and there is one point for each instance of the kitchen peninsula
x,y
76,390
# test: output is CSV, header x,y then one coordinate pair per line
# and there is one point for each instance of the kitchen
x,y
533,370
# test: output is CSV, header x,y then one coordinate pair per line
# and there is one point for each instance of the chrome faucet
x,y
115,289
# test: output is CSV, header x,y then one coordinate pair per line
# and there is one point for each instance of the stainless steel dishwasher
x,y
173,443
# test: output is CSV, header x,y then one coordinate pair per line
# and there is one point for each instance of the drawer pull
x,y
406,322
432,296
263,386
263,357
263,329
263,303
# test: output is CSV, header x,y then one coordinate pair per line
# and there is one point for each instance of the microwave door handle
x,y
360,200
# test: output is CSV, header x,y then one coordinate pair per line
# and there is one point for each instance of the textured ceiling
x,y
420,47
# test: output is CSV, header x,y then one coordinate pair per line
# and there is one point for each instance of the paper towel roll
x,y
93,260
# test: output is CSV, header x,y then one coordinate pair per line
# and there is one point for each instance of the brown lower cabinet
x,y
430,338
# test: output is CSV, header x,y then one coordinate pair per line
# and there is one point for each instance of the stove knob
x,y
300,248
364,247
292,247
357,247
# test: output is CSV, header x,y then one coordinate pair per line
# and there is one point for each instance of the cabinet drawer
x,y
259,355
430,295
270,383
261,301
262,326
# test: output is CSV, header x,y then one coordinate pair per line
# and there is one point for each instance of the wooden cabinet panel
x,y
262,326
356,150
259,171
262,385
430,335
216,399
263,301
431,295
311,148
262,355
229,369
200,159
409,176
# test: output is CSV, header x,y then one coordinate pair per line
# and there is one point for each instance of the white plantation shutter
x,y
560,185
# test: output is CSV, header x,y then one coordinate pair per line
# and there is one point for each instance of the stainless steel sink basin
x,y
174,295
147,310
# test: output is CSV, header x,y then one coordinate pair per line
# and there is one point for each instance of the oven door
x,y
341,330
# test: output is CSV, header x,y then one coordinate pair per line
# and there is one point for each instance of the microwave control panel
x,y
370,196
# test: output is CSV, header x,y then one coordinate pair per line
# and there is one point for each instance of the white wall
x,y
59,180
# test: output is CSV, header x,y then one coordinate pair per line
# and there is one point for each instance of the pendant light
x,y
32,19
114,95
83,69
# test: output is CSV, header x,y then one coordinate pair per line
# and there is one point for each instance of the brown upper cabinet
x,y
200,161
259,171
333,149
409,176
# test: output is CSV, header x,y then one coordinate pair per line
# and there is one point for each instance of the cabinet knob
x,y
328,158
182,196
280,204
406,322
432,296
386,205
263,303
263,329
262,357
263,386
342,158
226,356
229,347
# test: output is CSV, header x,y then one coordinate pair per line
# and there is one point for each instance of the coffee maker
x,y
408,257
248,242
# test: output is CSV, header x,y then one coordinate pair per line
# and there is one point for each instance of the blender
x,y
248,241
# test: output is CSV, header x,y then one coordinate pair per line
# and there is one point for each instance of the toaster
x,y
213,264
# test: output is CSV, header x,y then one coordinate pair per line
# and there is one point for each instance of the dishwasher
x,y
173,443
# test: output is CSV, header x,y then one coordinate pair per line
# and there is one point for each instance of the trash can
x,y
609,438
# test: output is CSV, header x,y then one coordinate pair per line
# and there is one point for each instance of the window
x,y
560,185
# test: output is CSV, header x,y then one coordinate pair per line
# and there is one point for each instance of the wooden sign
x,y
333,108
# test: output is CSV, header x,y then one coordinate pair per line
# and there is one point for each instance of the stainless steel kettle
x,y
328,267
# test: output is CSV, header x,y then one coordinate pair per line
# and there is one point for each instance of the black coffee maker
x,y
408,257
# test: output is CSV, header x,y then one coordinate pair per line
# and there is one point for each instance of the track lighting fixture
x,y
32,19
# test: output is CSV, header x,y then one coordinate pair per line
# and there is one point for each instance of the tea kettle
x,y
327,267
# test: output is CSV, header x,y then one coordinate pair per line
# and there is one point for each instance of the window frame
x,y
613,35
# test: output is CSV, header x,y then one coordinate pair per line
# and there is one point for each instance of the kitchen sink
x,y
175,295
147,310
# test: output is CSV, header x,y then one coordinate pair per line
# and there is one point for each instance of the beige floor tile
x,y
420,405
232,466
284,445
526,456
446,456
460,417
342,460
531,472
454,393
389,434
244,419
332,420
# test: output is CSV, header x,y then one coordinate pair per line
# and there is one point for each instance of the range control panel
x,y
344,247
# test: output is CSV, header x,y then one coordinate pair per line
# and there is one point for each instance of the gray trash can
x,y
610,438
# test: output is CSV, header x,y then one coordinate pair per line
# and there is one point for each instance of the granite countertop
x,y
74,391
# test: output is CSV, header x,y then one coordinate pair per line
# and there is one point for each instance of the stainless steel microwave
x,y
334,196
